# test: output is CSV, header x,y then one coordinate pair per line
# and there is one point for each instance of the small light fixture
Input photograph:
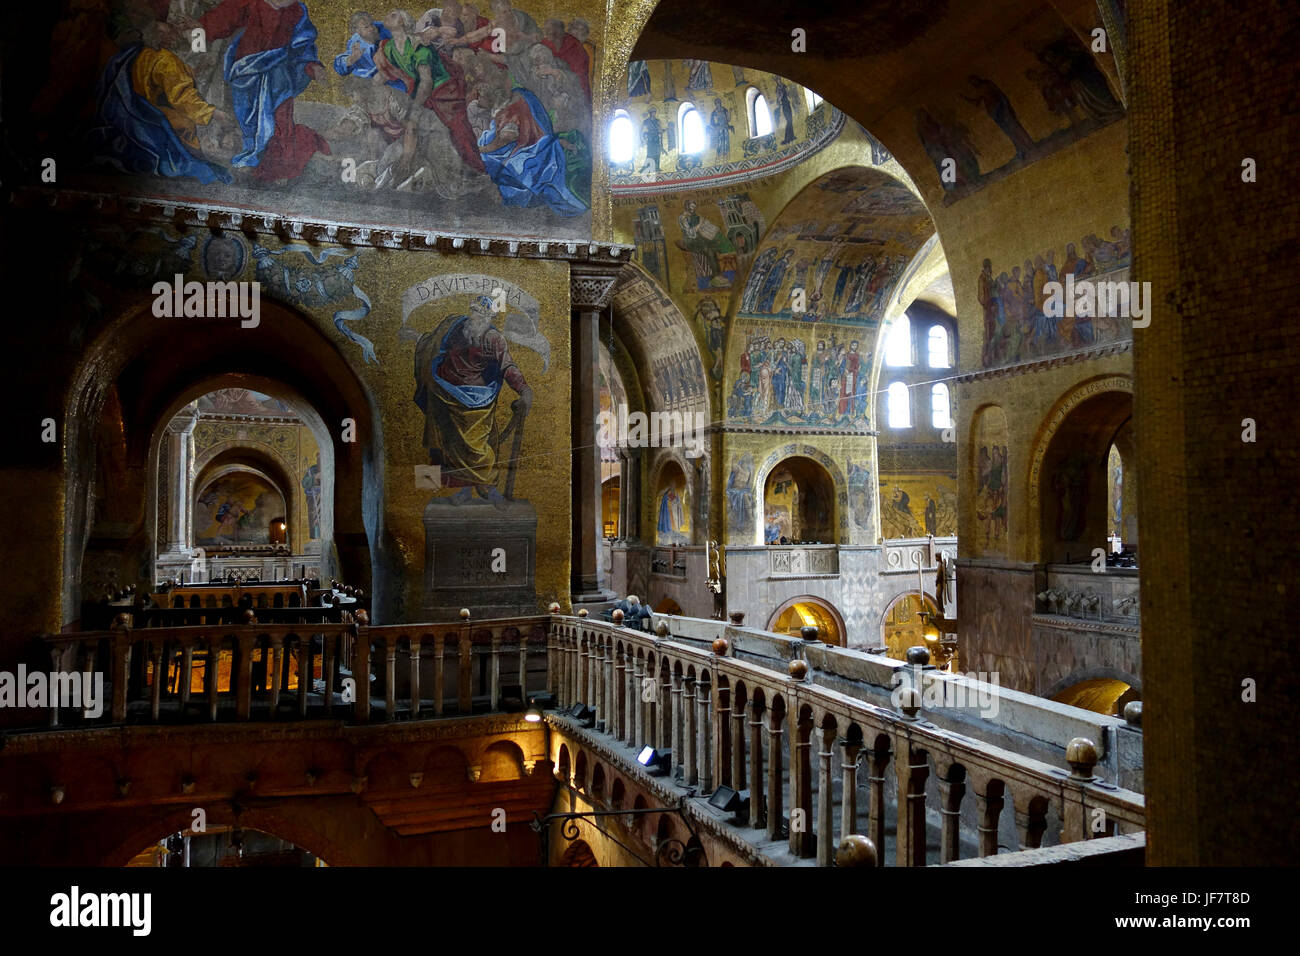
x,y
656,761
583,714
532,714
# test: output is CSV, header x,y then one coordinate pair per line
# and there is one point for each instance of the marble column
x,y
590,289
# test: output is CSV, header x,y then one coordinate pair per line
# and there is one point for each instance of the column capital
x,y
592,286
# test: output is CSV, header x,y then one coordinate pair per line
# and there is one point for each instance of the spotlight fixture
x,y
730,801
583,714
532,715
656,761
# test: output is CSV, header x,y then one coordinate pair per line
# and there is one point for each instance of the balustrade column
x,y
494,669
989,807
415,678
950,797
211,672
618,696
826,801
639,735
703,741
757,805
523,668
690,777
390,677
439,690
678,719
588,662
664,714
849,790
738,753
611,688
244,677
878,761
630,697
800,788
277,673
775,794
910,834
159,678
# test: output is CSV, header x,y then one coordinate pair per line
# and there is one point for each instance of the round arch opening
x,y
798,503
1075,483
902,627
791,617
1102,695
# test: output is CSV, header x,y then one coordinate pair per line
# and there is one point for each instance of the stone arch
x,y
502,760
288,348
839,484
1069,457
579,854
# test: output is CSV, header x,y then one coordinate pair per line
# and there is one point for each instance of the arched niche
x,y
1074,478
236,505
799,503
609,499
808,610
672,513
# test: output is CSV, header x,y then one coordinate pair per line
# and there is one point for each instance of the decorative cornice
x,y
796,430
1065,622
1041,365
188,214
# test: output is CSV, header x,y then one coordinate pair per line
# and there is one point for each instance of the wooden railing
x,y
248,670
714,712
749,722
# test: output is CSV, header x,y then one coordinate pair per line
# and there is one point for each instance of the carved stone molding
x,y
1099,351
190,214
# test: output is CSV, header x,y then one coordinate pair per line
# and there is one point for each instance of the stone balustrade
x,y
712,706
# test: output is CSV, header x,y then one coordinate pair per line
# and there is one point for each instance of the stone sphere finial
x,y
122,620
720,646
362,618
809,633
464,614
737,618
582,612
918,655
798,669
1133,713
1081,755
617,617
855,850
909,702
248,616
661,628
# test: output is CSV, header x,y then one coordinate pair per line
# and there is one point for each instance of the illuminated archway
x,y
901,626
1103,695
807,610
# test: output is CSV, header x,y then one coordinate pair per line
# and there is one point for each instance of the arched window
x,y
900,406
691,128
812,99
622,138
939,347
940,408
760,114
898,343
